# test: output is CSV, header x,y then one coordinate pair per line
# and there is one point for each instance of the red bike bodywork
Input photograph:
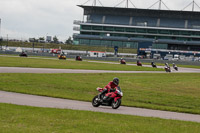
x,y
78,58
139,63
112,98
111,94
122,61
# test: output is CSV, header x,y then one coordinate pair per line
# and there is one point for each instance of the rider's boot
x,y
100,95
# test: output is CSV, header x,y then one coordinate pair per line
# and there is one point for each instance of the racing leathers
x,y
108,88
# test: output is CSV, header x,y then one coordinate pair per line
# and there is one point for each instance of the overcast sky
x,y
22,19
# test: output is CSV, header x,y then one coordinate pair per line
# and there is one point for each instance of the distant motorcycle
x,y
112,98
175,67
78,58
153,65
122,61
167,68
23,54
62,56
139,63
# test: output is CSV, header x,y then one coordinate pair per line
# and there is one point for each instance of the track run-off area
x,y
41,101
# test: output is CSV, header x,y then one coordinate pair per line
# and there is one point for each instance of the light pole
x,y
33,45
0,27
7,41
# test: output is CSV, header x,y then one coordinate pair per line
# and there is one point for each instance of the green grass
x,y
23,119
69,47
168,91
158,64
67,64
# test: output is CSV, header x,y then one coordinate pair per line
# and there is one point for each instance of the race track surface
x,y
41,101
49,70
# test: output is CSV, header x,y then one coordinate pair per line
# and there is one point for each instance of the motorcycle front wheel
x,y
116,104
95,102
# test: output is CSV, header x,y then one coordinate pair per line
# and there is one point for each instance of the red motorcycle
x,y
109,99
139,63
122,61
78,58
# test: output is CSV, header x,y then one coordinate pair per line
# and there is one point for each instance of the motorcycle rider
x,y
109,88
167,65
175,67
153,64
139,63
122,61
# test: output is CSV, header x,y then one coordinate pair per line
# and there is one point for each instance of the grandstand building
x,y
144,29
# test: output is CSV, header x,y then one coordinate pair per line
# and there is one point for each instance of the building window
x,y
85,27
108,28
141,23
130,30
119,29
196,26
97,28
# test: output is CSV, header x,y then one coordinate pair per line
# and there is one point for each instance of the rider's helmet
x,y
116,81
166,64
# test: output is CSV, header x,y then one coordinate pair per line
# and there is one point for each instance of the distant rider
x,y
167,65
109,87
174,65
153,64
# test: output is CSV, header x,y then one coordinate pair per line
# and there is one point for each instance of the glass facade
x,y
121,44
159,46
141,32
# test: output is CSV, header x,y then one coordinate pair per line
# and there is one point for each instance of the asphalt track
x,y
49,70
41,101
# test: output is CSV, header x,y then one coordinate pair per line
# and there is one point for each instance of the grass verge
x,y
23,119
158,64
168,91
68,64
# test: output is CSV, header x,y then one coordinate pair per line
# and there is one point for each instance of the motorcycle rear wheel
x,y
116,104
95,102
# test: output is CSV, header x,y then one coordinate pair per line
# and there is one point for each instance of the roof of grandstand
x,y
140,12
